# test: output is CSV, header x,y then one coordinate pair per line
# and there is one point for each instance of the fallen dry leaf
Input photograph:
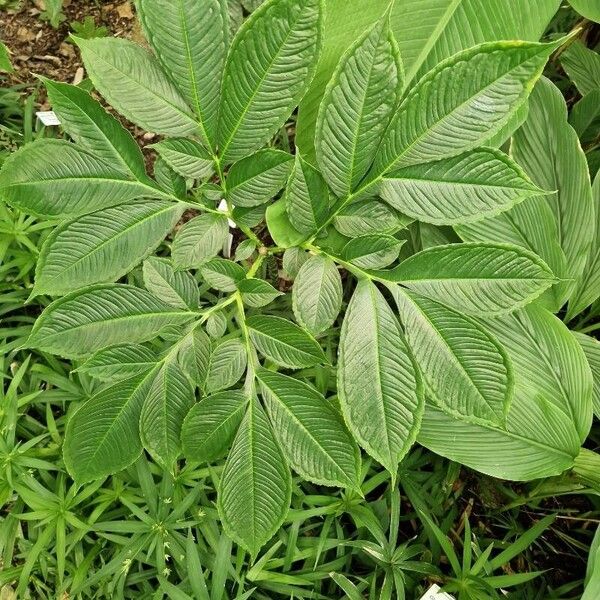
x,y
125,11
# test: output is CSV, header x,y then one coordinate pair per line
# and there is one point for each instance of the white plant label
x,y
48,118
434,593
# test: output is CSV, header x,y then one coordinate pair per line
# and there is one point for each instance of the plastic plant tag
x,y
435,593
48,118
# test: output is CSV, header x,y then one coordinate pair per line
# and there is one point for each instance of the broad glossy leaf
x,y
478,279
102,246
465,188
585,113
284,234
310,431
587,288
119,362
194,355
591,349
169,399
84,119
210,426
550,413
283,342
227,364
281,40
306,197
590,10
133,82
255,489
56,178
222,274
190,38
186,157
466,370
379,386
199,240
256,179
548,149
101,316
257,292
582,66
373,251
177,288
102,436
317,294
357,106
372,216
441,118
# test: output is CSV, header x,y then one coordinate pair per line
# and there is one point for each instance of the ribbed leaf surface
x,y
194,356
591,349
255,490
307,197
210,426
283,342
186,157
461,103
102,246
310,430
177,288
317,294
548,149
58,179
582,65
199,240
378,385
84,119
222,274
101,316
119,362
227,364
133,82
373,251
257,292
462,189
356,108
258,178
466,370
281,41
478,279
102,436
372,216
169,399
190,38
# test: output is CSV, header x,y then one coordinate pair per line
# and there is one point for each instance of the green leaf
x,y
244,250
317,294
169,399
194,356
587,288
293,259
209,427
176,288
133,82
548,149
357,106
550,413
257,292
310,431
102,246
477,279
102,436
256,179
582,66
374,251
190,38
5,64
284,234
284,343
469,187
591,349
282,70
226,366
439,119
199,240
119,362
100,316
222,274
84,119
379,386
216,325
585,113
306,197
590,10
372,216
255,489
56,178
169,180
467,372
186,157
